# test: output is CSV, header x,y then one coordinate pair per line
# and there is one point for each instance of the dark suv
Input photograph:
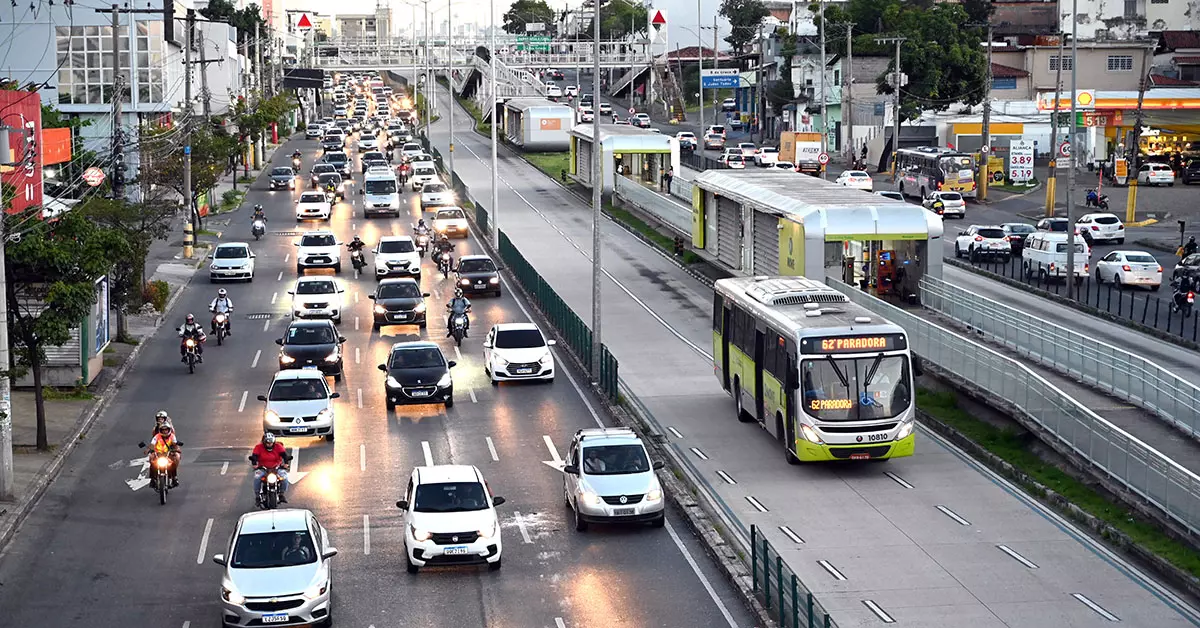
x,y
1191,172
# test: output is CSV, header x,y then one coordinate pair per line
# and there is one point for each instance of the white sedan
x,y
1130,268
313,205
855,179
553,91
571,90
368,141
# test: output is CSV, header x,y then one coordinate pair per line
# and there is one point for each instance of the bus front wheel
x,y
742,416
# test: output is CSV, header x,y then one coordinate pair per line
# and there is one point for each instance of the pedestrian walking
x,y
667,177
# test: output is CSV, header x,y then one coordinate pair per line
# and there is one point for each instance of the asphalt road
x,y
94,552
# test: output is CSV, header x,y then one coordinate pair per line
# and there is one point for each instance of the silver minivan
x,y
609,477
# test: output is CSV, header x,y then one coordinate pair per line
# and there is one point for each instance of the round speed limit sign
x,y
632,111
1065,149
823,158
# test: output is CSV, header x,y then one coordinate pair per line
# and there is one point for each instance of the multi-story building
x,y
1127,19
377,25
1021,71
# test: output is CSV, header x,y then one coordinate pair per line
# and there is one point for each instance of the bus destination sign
x,y
854,344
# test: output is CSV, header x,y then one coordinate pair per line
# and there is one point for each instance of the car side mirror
x,y
498,501
451,364
329,552
402,504
371,297
551,343
361,191
335,395
219,559
658,465
253,255
341,339
487,345
279,341
262,397
292,292
142,444
425,294
572,469
383,367
296,243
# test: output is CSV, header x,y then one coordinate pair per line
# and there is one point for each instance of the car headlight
x,y
286,359
392,382
271,416
231,596
501,361
316,591
810,434
906,429
489,532
591,499
419,534
654,495
444,381
212,267
419,308
379,309
333,356
325,415
465,282
545,359
494,280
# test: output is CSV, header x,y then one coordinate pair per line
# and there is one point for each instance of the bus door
x,y
789,392
726,331
759,358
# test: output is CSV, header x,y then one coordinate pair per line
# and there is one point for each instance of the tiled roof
x,y
1006,71
1174,40
1186,60
1169,81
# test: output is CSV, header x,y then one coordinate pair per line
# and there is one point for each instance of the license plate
x,y
457,550
298,430
312,311
480,285
400,317
420,393
621,512
860,456
276,618
523,371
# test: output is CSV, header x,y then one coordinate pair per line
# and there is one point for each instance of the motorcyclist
x,y
191,329
270,455
356,245
1093,197
222,305
1190,247
422,228
165,442
259,214
458,305
442,245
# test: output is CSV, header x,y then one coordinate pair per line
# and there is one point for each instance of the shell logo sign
x,y
1085,98
551,124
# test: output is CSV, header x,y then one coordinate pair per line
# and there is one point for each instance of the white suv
x,y
609,478
514,351
299,404
318,249
983,241
317,297
952,204
313,205
450,518
397,256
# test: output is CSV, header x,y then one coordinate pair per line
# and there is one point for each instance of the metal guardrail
x,y
1141,469
781,592
1128,376
664,208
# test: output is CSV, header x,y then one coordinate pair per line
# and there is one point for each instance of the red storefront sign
x,y
1102,118
22,112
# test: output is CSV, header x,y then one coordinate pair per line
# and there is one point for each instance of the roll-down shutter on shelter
x,y
583,159
766,243
729,232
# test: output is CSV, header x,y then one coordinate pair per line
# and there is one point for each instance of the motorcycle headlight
x,y
444,381
163,462
591,499
286,359
419,308
392,382
419,534
494,280
316,591
191,343
810,434
333,356
905,430
272,478
220,318
379,309
271,416
325,414
231,596
654,495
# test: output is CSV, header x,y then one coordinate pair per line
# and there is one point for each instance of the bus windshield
x,y
958,167
856,389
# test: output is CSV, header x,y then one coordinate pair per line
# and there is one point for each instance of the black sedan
x,y
314,177
477,274
1016,233
309,343
417,372
1188,266
399,301
283,178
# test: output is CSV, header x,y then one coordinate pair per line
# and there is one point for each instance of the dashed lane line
x,y
204,542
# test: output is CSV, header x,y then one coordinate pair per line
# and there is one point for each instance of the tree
x,y
745,16
942,56
620,19
52,272
140,224
522,12
162,160
243,20
781,93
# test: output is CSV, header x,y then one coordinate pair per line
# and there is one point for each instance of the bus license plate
x,y
457,550
860,456
622,512
276,618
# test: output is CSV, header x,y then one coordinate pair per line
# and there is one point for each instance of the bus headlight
x,y
906,430
810,434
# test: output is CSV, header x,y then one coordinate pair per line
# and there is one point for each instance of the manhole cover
x,y
285,233
258,317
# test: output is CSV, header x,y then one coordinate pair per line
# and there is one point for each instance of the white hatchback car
x,y
299,403
553,91
982,242
450,519
410,150
1156,174
766,156
1102,226
436,194
953,204
855,179
397,256
609,478
313,205
1130,268
422,175
232,260
451,222
318,249
317,297
516,351
571,90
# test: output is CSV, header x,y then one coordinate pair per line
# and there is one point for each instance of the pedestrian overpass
x,y
353,55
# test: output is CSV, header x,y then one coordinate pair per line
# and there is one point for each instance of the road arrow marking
x,y
556,462
143,478
295,474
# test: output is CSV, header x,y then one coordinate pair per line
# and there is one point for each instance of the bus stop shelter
x,y
640,154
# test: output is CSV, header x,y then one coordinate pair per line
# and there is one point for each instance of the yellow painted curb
x,y
1142,223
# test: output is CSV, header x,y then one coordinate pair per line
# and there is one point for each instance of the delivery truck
x,y
802,149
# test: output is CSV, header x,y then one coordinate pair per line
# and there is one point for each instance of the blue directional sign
x,y
720,78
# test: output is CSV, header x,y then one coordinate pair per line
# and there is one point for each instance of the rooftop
x,y
447,473
279,520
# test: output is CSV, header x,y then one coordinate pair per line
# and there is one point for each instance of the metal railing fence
x,y
784,596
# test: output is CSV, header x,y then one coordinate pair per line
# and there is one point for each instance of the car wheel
x,y
1099,277
329,437
299,269
957,251
1155,287
450,402
496,565
338,267
1120,240
408,563
1117,283
659,522
580,524
390,405
337,377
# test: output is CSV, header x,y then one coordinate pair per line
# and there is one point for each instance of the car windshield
x,y
450,497
380,186
318,240
519,339
308,335
856,389
1061,247
422,358
232,252
424,172
268,550
315,287
476,266
1141,258
282,172
336,158
450,214
434,187
717,129
330,177
373,155
948,196
1107,220
412,147
1057,225
614,460
309,197
1020,228
320,168
307,389
991,233
401,290
396,246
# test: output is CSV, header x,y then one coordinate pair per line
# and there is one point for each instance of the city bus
x,y
824,376
934,169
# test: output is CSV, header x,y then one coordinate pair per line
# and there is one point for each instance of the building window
x,y
85,75
1068,63
1120,63
1160,1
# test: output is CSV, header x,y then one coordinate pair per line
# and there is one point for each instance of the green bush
x,y
231,198
156,293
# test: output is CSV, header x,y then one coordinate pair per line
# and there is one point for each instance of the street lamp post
x,y
492,106
597,183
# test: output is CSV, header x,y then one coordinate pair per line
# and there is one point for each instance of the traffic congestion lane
x,y
352,498
914,507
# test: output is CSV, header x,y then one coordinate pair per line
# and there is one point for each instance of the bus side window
x,y
769,352
718,305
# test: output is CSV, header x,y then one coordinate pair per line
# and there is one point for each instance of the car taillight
x,y
1160,269
1008,238
1126,268
1095,228
979,238
939,186
1086,266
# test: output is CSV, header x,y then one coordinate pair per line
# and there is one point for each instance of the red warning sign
x,y
659,19
304,23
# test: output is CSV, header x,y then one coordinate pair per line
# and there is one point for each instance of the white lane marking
x,y
879,612
242,403
1095,607
474,399
953,515
354,226
558,621
827,566
521,526
274,296
224,467
728,478
357,356
280,277
294,474
362,457
1017,557
356,296
266,324
355,323
457,354
492,449
899,480
366,535
257,355
791,535
359,398
553,452
757,504
187,624
428,453
699,454
204,542
675,432
287,257
712,593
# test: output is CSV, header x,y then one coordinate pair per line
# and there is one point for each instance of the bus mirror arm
x,y
793,381
917,370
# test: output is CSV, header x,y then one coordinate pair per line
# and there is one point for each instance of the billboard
x,y
21,112
56,146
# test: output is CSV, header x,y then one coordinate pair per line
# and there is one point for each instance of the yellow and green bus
x,y
824,376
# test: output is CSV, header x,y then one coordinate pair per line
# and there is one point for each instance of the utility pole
x,y
1070,277
1052,177
428,79
260,148
896,95
985,151
597,185
700,59
450,79
760,107
118,95
6,443
189,110
824,97
1131,165
204,93
495,204
848,93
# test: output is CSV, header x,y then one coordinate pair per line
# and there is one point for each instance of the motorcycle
x,y
160,479
296,162
221,323
1099,201
190,354
258,229
358,260
422,245
458,328
444,264
268,493
1184,303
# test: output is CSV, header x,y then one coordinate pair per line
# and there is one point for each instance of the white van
x,y
1045,256
381,194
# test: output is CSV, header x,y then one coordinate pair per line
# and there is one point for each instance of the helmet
x,y
1192,239
268,439
222,293
164,427
258,207
161,417
357,239
190,319
421,222
458,293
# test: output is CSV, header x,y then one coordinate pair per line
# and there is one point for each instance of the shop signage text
x,y
1099,119
1020,161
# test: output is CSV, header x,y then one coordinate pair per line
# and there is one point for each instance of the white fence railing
x,y
662,207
